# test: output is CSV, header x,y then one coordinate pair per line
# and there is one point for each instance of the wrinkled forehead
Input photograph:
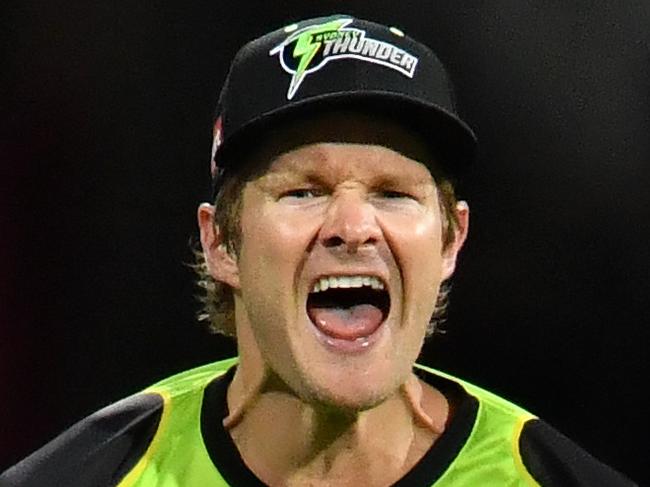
x,y
377,133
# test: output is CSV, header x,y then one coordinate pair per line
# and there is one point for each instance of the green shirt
x,y
171,435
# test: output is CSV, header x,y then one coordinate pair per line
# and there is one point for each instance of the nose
x,y
350,223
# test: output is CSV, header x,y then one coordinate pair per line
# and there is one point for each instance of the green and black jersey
x,y
171,435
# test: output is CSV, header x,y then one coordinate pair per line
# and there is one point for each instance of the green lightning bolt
x,y
306,50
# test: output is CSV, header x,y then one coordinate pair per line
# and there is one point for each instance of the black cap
x,y
338,62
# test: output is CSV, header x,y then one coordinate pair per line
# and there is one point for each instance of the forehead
x,y
345,141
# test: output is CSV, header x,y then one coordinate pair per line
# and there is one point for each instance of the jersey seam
x,y
132,476
516,451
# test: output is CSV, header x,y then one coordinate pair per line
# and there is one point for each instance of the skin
x,y
340,194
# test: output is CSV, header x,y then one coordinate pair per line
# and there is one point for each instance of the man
x,y
333,232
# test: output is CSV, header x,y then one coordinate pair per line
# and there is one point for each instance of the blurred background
x,y
105,138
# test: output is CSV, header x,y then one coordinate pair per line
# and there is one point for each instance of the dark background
x,y
106,134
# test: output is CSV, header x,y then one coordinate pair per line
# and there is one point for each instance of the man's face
x,y
334,207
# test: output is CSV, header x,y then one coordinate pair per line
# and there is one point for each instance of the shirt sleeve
x,y
97,451
555,461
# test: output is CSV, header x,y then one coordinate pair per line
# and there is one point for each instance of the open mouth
x,y
348,308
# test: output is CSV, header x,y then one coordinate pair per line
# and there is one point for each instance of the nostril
x,y
334,241
351,245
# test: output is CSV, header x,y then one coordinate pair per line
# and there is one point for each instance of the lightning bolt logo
x,y
305,49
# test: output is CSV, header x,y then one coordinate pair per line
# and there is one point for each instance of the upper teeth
x,y
325,283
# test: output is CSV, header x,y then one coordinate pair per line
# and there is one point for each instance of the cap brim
x,y
451,139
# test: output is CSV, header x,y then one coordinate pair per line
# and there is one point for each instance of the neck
x,y
311,444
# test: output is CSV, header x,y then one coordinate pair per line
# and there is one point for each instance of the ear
x,y
222,266
451,252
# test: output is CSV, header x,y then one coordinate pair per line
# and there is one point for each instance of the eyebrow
x,y
290,177
307,170
310,177
397,179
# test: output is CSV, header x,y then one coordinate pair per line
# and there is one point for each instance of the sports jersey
x,y
171,435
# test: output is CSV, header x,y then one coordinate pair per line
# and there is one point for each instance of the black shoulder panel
x,y
98,451
555,461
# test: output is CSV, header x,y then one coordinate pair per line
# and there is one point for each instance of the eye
x,y
302,193
390,194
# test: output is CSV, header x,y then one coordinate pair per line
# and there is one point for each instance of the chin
x,y
331,400
348,394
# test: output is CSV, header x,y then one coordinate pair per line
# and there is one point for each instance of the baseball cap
x,y
337,62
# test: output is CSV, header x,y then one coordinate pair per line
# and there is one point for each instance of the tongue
x,y
347,323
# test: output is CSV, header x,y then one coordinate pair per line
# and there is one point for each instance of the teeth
x,y
345,282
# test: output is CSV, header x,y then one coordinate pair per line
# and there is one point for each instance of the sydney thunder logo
x,y
308,50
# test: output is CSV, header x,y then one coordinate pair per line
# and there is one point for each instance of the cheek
x,y
416,241
417,246
427,257
274,245
278,240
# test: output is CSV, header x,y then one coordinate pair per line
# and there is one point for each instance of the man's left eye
x,y
395,195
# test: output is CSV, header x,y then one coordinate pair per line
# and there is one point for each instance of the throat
x,y
308,444
326,447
